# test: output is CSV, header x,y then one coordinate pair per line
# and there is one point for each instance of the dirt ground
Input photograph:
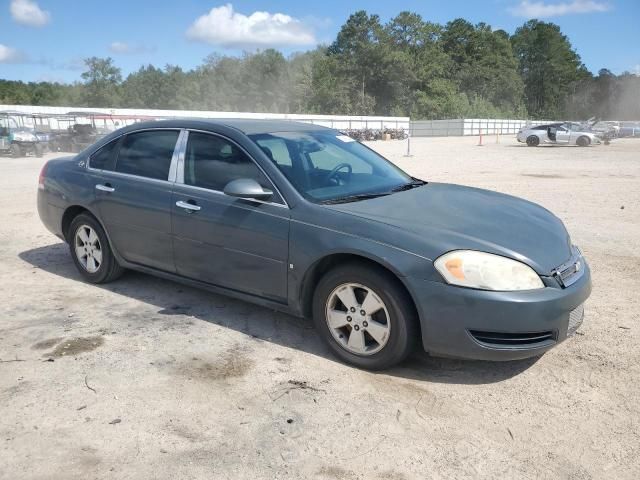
x,y
146,378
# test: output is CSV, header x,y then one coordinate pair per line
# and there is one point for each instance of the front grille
x,y
570,272
575,319
502,339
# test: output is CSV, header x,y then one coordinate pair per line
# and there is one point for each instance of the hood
x,y
445,217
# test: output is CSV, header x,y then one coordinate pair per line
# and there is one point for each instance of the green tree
x,y
408,66
265,81
361,61
151,87
419,69
549,67
301,80
101,81
483,66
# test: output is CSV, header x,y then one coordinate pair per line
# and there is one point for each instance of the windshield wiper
x,y
415,182
354,198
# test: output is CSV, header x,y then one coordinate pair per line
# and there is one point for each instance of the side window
x,y
211,162
147,154
331,156
102,159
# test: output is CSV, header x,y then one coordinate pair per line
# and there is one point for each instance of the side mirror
x,y
247,188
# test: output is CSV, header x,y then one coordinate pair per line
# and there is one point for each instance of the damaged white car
x,y
558,134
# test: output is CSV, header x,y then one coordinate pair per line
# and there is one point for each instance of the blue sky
x,y
47,39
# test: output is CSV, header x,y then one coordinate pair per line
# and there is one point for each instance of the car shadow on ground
x,y
171,298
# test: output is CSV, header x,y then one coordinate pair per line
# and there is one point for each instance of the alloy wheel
x,y
88,249
358,319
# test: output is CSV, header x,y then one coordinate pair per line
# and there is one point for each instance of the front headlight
x,y
485,271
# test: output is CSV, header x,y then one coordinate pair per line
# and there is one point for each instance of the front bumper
x,y
456,322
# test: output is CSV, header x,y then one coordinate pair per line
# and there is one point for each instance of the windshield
x,y
8,122
325,166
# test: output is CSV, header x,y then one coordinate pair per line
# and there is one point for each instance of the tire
x,y
396,324
533,141
583,141
37,150
16,150
98,255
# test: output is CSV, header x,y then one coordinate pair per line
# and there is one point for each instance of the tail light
x,y
43,173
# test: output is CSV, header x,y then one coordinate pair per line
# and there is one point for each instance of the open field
x,y
152,379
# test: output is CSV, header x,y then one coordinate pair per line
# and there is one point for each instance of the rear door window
x,y
147,154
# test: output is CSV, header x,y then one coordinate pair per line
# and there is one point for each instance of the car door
x,y
230,242
133,197
563,134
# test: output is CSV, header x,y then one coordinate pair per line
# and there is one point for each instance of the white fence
x,y
468,126
340,122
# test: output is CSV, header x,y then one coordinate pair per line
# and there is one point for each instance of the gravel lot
x,y
151,379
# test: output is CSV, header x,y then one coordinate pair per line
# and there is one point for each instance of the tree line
x,y
405,67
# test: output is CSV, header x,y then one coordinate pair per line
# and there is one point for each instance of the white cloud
x,y
119,47
124,48
27,12
222,26
543,9
10,55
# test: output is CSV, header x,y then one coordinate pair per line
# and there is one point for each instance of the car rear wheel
x,y
583,141
533,141
365,316
91,251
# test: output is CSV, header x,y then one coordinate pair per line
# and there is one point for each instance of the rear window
x,y
147,154
102,158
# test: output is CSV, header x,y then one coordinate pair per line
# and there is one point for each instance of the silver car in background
x,y
558,134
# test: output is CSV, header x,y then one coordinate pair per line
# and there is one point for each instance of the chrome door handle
x,y
105,188
188,206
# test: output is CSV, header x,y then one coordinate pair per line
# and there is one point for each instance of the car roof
x,y
85,114
245,125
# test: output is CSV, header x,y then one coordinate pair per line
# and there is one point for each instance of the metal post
x,y
408,154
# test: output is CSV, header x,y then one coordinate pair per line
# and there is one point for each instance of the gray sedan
x,y
305,220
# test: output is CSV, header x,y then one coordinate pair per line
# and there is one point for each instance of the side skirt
x,y
264,302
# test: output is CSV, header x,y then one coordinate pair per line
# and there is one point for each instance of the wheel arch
x,y
588,139
535,137
72,212
321,266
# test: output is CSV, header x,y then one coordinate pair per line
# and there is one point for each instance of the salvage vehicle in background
x,y
80,132
42,128
15,139
567,133
629,129
306,220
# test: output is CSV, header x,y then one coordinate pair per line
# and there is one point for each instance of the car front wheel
x,y
533,141
365,316
91,251
583,141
